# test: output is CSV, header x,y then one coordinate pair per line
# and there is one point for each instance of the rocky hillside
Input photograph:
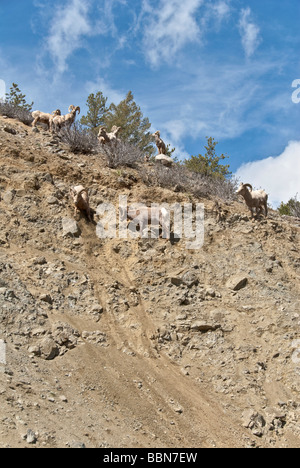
x,y
139,343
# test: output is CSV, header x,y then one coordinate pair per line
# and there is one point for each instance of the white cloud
x,y
171,25
108,91
69,24
222,99
279,176
220,10
249,31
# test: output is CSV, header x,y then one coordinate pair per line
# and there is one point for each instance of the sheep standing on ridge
x,y
80,198
43,117
254,199
161,146
104,137
64,120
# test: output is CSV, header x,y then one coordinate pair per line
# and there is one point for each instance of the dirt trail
x,y
168,390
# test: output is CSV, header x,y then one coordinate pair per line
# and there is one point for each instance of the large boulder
x,y
164,159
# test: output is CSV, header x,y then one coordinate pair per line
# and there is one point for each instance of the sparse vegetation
x,y
15,112
291,208
97,109
181,179
200,176
121,153
16,98
16,107
79,139
209,164
127,115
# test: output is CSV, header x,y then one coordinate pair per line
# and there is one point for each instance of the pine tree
x,y
16,99
97,110
209,165
291,208
135,127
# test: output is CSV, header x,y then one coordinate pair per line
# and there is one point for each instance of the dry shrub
x,y
119,153
79,139
15,112
180,179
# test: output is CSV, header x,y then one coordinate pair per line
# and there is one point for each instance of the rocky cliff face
x,y
139,342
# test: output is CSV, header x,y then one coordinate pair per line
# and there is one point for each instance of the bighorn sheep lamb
x,y
65,120
104,137
162,149
80,197
43,117
143,216
257,199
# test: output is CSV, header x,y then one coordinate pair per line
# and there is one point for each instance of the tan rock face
x,y
139,342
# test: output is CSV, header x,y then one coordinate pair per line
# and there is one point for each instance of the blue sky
x,y
221,68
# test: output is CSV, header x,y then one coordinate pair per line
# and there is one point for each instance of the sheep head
x,y
115,130
74,195
73,109
77,192
101,131
243,187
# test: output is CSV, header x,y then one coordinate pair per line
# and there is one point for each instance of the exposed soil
x,y
136,342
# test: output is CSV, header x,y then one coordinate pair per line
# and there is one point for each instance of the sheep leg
x,y
89,214
164,230
143,225
165,233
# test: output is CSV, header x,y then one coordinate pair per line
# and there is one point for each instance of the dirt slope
x,y
139,343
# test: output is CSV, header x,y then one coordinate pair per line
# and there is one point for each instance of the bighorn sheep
x,y
65,120
44,118
80,197
257,199
104,137
162,149
143,216
221,214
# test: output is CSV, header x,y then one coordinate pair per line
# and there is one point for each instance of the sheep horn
x,y
250,186
77,109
